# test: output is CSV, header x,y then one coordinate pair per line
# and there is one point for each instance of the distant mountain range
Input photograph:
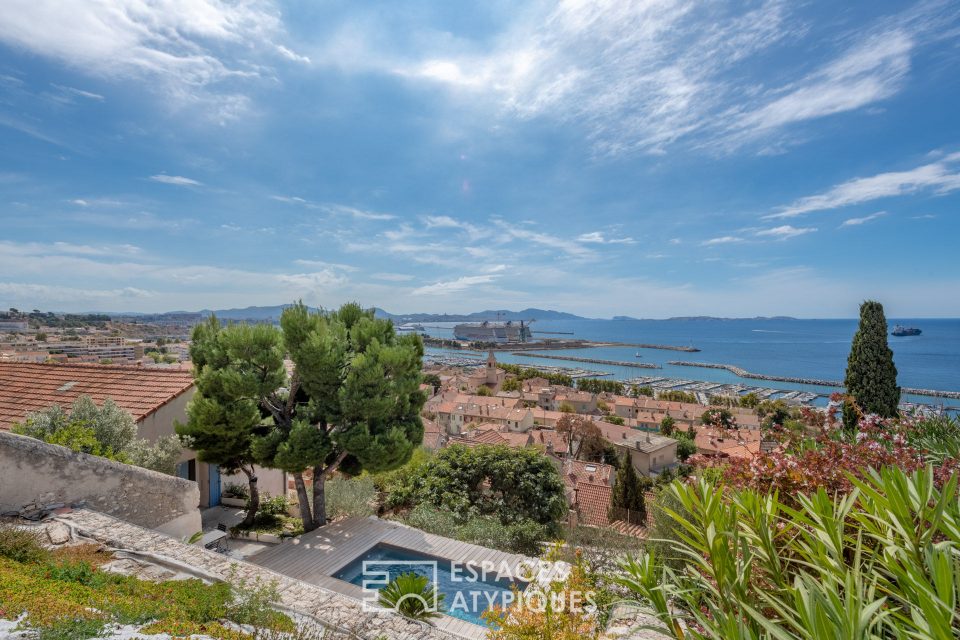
x,y
490,314
272,313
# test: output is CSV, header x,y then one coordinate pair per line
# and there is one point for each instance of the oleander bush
x,y
880,561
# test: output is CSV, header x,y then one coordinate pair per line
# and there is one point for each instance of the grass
x,y
66,596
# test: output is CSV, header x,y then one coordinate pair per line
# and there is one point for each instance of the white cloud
x,y
939,177
569,247
179,181
643,75
441,222
853,222
638,74
597,237
446,222
290,200
785,231
38,294
185,50
453,286
392,277
73,91
360,214
871,71
721,240
326,265
324,279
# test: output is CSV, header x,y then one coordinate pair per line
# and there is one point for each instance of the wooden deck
x,y
316,556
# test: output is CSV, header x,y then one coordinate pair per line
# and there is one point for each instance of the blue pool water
x,y
468,593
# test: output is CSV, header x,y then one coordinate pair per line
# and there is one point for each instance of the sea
x,y
815,349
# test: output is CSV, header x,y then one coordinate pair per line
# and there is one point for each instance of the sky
x,y
650,158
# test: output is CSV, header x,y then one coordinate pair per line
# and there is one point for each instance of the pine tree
x,y
353,401
234,367
871,375
628,491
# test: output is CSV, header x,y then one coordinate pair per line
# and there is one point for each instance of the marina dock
x,y
617,363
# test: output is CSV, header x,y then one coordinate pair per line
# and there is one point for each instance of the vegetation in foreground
x,y
878,562
65,596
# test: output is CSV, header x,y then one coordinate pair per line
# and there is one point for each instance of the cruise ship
x,y
900,330
489,331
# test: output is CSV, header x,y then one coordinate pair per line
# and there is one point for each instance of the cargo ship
x,y
489,331
901,330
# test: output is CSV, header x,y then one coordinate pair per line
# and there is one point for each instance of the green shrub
x,y
273,507
21,545
524,536
398,486
236,490
79,572
351,497
71,629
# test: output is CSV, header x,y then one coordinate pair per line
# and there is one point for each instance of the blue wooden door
x,y
214,485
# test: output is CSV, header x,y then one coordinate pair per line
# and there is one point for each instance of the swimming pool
x,y
468,593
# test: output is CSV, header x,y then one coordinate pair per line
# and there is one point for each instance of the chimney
x,y
648,437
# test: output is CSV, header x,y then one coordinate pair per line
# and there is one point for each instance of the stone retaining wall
x,y
37,478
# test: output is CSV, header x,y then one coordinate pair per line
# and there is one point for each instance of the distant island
x,y
713,318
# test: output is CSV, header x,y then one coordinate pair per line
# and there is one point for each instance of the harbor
x,y
953,395
458,360
616,363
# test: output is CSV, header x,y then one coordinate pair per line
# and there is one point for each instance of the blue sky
x,y
649,158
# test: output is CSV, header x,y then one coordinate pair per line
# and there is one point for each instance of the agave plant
x,y
881,562
413,596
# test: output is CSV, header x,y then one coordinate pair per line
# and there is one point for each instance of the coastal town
x,y
589,460
529,320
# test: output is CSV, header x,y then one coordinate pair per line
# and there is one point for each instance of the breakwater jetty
x,y
663,347
547,344
617,363
743,373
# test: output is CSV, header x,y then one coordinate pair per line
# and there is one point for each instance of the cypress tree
x,y
871,375
628,491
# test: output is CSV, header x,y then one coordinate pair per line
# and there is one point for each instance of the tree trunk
x,y
253,505
319,497
305,517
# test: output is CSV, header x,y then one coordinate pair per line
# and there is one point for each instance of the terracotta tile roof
x,y
432,434
493,436
26,387
577,472
541,437
593,502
